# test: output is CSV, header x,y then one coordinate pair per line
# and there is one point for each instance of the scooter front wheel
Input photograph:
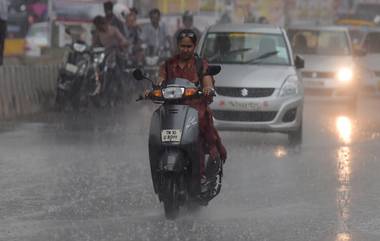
x,y
171,198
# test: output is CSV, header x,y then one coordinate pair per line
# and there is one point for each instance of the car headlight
x,y
173,92
290,88
345,75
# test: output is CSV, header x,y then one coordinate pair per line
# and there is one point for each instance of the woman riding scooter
x,y
185,64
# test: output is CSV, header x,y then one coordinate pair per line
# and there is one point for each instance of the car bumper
x,y
330,89
264,115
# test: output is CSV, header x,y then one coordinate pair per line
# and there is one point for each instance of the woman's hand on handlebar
x,y
208,92
146,93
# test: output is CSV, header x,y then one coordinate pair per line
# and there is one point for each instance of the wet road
x,y
86,177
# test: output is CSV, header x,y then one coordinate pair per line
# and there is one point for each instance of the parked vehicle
x,y
72,75
174,148
259,88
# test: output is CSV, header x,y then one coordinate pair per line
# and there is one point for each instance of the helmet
x,y
121,11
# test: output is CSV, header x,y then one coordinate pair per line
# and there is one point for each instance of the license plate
x,y
245,106
71,68
171,136
314,83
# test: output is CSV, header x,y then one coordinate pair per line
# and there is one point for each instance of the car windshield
x,y
315,42
245,48
372,43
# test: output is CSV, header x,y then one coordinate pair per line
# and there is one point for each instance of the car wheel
x,y
295,137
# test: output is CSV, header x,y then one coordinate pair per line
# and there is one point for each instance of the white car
x,y
37,38
259,87
369,64
330,71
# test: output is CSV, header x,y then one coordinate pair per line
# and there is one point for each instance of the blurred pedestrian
x,y
111,18
225,18
250,18
188,23
155,34
3,27
263,20
132,29
133,34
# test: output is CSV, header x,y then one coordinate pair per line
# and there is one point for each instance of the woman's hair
x,y
187,33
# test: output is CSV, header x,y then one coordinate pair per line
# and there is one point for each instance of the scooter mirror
x,y
214,70
138,75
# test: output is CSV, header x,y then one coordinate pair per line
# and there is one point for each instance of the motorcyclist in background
x,y
186,65
113,41
111,18
107,36
155,34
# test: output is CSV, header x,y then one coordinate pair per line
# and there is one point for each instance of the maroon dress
x,y
211,140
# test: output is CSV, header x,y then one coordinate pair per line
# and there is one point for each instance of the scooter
x,y
175,147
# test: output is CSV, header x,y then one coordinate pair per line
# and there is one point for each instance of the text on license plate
x,y
71,68
171,136
245,106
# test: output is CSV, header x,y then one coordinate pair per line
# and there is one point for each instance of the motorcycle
x,y
72,74
111,75
91,88
153,58
174,147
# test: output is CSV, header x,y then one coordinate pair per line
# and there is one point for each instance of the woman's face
x,y
186,48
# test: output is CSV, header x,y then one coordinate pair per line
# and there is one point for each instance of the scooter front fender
x,y
172,161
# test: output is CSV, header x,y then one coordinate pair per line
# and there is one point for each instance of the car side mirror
x,y
213,70
360,52
138,74
299,62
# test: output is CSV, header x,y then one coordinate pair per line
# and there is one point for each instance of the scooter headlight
x,y
345,75
152,60
82,69
79,47
173,92
99,58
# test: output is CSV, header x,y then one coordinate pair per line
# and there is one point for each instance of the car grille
x,y
245,92
254,116
314,74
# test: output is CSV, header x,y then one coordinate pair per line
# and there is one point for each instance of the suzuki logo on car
x,y
244,92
